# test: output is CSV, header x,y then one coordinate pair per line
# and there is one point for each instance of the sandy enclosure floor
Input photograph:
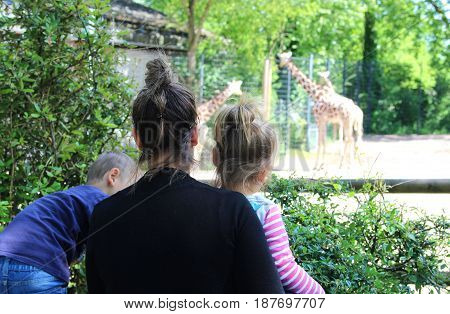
x,y
384,156
380,156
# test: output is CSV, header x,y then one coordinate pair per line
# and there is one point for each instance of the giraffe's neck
x,y
314,90
207,109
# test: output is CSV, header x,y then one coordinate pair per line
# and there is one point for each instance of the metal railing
x,y
429,186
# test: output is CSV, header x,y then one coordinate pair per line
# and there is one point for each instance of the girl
x,y
244,152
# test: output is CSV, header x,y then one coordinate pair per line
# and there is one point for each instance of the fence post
x,y
357,83
202,77
308,108
344,77
286,114
369,92
267,87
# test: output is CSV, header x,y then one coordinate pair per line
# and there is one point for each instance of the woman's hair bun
x,y
159,74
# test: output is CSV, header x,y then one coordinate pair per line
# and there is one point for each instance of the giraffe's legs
x,y
341,137
203,135
341,132
336,136
348,135
322,128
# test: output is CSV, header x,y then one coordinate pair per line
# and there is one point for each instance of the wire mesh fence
x,y
214,73
291,107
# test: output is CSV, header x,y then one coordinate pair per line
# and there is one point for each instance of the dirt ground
x,y
384,156
380,156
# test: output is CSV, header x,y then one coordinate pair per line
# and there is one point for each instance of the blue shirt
x,y
46,234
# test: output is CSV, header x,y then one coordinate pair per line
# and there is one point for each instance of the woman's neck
x,y
162,163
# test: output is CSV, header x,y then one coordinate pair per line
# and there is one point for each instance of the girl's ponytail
x,y
245,145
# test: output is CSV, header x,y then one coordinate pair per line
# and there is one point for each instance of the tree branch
x,y
202,21
191,22
439,11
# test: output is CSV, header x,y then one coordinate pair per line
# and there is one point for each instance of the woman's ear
x,y
136,138
194,136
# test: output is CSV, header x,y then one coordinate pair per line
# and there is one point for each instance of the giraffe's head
x,y
285,57
324,75
234,87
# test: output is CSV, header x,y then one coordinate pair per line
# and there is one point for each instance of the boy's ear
x,y
194,136
112,176
137,140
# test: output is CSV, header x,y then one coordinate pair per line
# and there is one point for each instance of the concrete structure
x,y
139,32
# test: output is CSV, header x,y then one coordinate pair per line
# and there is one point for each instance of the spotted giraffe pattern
x,y
207,109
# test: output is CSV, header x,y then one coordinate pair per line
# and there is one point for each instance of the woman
x,y
169,233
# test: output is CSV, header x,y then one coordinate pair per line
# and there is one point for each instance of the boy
x,y
38,246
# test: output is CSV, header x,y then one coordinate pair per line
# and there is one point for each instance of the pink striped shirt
x,y
293,277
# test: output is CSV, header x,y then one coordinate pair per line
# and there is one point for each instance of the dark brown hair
x,y
164,113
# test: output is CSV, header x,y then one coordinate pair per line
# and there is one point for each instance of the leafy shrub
x,y
62,99
78,283
372,249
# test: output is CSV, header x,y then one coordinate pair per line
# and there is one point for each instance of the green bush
x,y
371,249
78,283
62,99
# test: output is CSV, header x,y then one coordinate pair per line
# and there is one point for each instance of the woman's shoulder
x,y
226,195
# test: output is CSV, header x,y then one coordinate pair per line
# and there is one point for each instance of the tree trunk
x,y
369,57
191,65
194,35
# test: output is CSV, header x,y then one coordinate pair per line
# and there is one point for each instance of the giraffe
x,y
358,115
328,107
337,127
207,109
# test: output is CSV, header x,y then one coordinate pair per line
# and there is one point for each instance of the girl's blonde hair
x,y
245,145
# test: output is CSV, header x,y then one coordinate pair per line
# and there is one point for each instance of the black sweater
x,y
173,234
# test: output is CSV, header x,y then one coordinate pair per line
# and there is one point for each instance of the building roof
x,y
130,12
144,27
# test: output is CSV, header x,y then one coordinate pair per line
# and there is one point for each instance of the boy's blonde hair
x,y
245,145
106,161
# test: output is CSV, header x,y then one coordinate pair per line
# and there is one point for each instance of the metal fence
x,y
214,73
394,186
290,105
